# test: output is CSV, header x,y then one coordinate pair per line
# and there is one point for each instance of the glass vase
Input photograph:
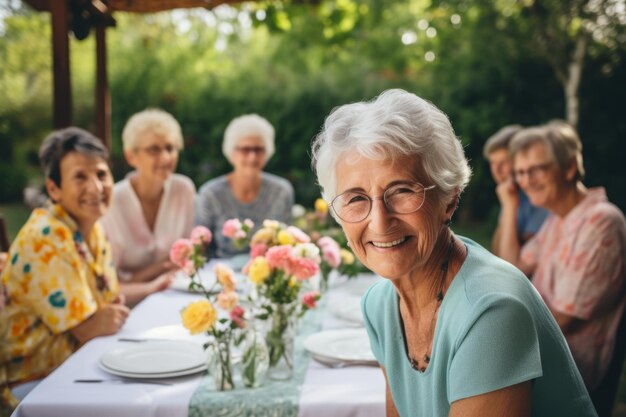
x,y
280,342
255,359
220,364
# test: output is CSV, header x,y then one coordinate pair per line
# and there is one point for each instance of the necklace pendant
x,y
426,358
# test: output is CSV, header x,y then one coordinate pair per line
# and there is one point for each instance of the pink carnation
x,y
258,250
248,223
303,268
231,227
279,256
201,235
236,315
309,300
181,251
298,235
330,251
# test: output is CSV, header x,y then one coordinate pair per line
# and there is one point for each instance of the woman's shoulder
x,y
214,185
182,183
378,295
276,181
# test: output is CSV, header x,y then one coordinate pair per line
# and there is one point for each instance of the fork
x,y
337,364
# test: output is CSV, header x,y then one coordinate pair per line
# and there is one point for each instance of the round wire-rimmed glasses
x,y
355,206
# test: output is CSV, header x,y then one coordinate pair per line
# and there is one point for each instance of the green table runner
x,y
274,398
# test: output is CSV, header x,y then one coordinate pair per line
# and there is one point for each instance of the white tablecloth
x,y
345,392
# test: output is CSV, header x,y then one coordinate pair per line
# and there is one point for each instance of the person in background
x,y
247,192
578,258
528,218
152,207
61,286
456,330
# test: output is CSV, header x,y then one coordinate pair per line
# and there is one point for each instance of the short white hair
x,y
396,123
155,121
248,125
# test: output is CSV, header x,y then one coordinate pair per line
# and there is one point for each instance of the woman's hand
x,y
105,321
507,194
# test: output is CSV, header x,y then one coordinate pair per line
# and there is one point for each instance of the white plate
x,y
156,375
155,357
341,344
359,285
348,309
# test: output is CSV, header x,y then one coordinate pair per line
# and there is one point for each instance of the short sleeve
x,y
531,250
500,349
54,286
590,271
366,308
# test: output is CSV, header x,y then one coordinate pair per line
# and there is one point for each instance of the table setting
x,y
247,336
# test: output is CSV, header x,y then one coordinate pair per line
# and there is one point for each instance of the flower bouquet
x,y
282,260
219,314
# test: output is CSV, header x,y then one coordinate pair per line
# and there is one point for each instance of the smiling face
x,y
540,178
249,156
155,157
392,245
500,165
85,190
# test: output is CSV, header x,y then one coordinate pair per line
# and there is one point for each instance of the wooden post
x,y
103,98
61,65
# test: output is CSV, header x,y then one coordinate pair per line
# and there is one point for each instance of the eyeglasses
x,y
156,150
535,171
257,150
354,206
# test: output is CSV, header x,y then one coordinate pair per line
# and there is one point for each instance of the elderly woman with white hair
x,y
577,258
247,192
456,330
152,207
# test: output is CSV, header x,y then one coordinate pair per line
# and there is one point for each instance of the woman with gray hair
x,y
457,331
61,288
577,258
152,207
247,192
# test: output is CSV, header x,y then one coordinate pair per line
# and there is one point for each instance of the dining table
x,y
337,390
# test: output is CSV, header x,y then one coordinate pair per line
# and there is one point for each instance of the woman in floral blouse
x,y
61,286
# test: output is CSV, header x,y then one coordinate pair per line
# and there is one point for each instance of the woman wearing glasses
x,y
577,258
457,331
152,207
247,192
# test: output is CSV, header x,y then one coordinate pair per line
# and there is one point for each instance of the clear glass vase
x,y
255,358
220,365
280,341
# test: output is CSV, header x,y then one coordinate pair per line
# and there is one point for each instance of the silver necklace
x,y
415,364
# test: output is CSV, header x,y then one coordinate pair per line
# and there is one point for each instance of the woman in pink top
x,y
152,206
577,260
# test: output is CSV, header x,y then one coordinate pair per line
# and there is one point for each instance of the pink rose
x,y
258,250
231,227
298,235
303,268
181,251
279,256
309,300
201,235
331,252
236,315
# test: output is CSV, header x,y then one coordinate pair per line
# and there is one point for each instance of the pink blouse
x,y
580,270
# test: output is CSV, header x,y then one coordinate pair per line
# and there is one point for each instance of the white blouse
x,y
134,245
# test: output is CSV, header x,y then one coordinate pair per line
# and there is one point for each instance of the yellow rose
x,y
227,299
259,270
265,235
347,257
285,238
321,206
199,316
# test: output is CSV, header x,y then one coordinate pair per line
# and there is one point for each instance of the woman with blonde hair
x,y
152,207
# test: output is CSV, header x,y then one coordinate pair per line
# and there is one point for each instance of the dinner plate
x,y
358,286
341,344
184,372
155,357
348,309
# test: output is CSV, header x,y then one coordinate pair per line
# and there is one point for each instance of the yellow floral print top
x,y
53,282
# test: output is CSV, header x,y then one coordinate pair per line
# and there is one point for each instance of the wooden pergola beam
x,y
62,88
